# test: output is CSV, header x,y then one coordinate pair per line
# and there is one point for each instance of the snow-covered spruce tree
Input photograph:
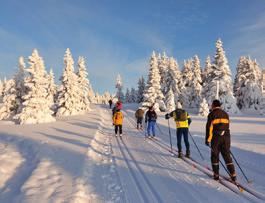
x,y
106,97
8,107
36,105
204,108
127,96
133,95
52,90
170,100
163,69
91,94
83,84
174,79
153,94
196,84
19,83
239,70
68,100
119,94
207,77
141,88
187,76
247,86
221,72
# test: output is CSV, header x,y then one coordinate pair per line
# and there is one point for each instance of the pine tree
x,y
83,84
52,90
119,87
170,100
8,107
19,83
222,74
204,108
163,69
187,77
174,79
207,77
196,84
36,105
68,98
133,95
247,86
127,96
91,94
141,88
153,94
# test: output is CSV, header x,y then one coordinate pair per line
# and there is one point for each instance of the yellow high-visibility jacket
x,y
181,124
118,118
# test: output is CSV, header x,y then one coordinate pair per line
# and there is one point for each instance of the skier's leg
x,y
148,128
116,130
225,151
215,156
179,135
120,130
153,128
186,140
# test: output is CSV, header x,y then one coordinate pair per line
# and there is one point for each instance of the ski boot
x,y
187,154
180,155
216,177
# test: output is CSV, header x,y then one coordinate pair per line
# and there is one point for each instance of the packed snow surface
x,y
77,159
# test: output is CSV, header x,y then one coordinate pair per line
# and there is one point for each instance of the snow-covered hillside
x,y
77,159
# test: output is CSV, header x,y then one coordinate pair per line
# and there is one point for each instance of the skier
x,y
117,122
183,122
139,115
151,117
110,103
218,138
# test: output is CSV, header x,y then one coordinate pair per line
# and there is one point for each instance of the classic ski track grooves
x,y
163,161
223,181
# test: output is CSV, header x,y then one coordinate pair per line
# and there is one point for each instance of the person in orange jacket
x,y
117,122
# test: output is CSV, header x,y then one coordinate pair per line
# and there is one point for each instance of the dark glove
x,y
145,121
113,124
167,116
207,143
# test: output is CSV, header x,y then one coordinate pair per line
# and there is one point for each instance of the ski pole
x,y
169,131
196,146
240,167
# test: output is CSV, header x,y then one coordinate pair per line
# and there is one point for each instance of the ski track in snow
x,y
79,160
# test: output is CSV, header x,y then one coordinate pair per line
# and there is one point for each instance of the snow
x,y
77,159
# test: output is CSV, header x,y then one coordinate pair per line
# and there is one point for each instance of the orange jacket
x,y
118,118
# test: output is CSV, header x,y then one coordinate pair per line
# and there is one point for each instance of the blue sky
x,y
118,36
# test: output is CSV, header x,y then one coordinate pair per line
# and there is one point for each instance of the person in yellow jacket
x,y
183,121
117,122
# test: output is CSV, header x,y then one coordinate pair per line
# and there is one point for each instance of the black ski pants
x,y
118,128
221,143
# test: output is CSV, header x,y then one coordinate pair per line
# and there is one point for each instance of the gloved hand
x,y
113,124
167,116
207,143
145,121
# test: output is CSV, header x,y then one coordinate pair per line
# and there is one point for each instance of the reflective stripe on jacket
x,y
118,118
217,124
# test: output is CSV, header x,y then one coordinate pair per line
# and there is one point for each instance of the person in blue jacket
x,y
150,119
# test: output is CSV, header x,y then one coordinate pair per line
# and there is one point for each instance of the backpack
x,y
118,116
180,115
